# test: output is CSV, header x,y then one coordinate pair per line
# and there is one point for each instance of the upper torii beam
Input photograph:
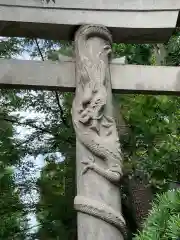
x,y
132,21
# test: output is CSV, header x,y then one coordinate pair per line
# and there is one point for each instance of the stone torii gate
x,y
93,75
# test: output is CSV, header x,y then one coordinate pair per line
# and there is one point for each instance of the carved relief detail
x,y
100,210
95,128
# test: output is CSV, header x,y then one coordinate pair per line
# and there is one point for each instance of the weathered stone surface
x,y
99,157
37,74
136,5
129,21
61,76
145,79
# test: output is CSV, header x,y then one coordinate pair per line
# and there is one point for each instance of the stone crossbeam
x,y
60,76
135,21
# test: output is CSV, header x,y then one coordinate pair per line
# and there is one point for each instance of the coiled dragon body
x,y
94,128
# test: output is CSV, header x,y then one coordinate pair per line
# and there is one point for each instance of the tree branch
x,y
15,121
39,49
24,231
56,93
61,110
28,124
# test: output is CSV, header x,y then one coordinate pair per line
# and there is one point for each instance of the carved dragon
x,y
90,113
94,128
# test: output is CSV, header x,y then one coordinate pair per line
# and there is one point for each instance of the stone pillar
x,y
98,151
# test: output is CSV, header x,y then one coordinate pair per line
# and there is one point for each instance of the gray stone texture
x,y
61,76
98,152
129,21
102,5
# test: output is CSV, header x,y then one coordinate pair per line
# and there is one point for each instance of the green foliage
x,y
10,47
11,208
173,50
153,143
55,209
163,222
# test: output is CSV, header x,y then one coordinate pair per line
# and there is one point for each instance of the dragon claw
x,y
89,165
